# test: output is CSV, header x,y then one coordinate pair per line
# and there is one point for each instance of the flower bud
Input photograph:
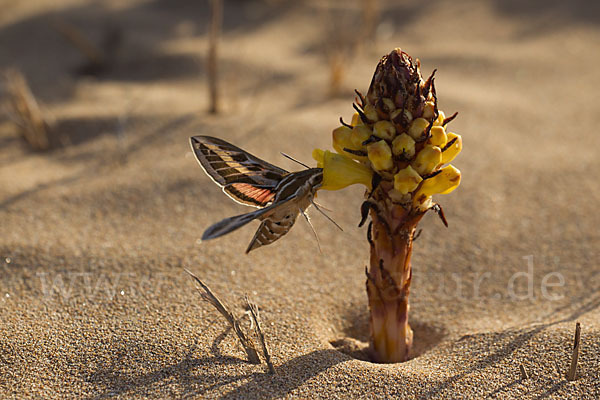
x,y
427,160
380,155
407,180
395,115
398,197
371,113
417,128
342,140
429,110
404,144
356,120
389,105
438,136
359,134
384,130
440,119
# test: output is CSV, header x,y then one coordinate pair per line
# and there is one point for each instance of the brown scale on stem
x,y
427,85
449,119
361,97
345,124
360,112
449,144
440,212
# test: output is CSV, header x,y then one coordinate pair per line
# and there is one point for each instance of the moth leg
x,y
323,207
312,228
326,216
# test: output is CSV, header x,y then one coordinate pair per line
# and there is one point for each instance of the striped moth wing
x,y
279,195
243,177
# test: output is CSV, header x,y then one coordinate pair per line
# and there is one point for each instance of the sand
x,y
95,233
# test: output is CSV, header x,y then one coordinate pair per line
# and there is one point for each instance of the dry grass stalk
x,y
74,36
337,70
572,374
208,296
343,41
216,20
26,112
524,374
257,328
99,58
339,43
370,16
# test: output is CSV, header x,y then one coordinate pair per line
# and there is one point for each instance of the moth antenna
x,y
326,216
323,207
294,160
312,228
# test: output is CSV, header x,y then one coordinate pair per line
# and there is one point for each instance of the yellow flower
x,y
443,183
371,113
407,180
440,119
429,110
404,145
356,120
342,139
427,159
451,152
438,136
340,171
417,128
380,155
359,134
384,130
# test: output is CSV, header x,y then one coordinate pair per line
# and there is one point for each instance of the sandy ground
x,y
94,234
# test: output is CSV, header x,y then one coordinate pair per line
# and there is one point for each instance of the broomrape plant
x,y
398,146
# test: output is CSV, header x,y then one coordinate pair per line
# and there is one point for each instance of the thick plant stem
x,y
388,283
398,147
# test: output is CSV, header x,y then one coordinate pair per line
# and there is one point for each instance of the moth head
x,y
316,180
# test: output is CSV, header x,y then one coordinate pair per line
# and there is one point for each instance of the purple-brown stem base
x,y
388,283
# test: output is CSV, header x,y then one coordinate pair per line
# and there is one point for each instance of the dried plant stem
x,y
572,374
337,70
27,113
99,58
213,47
211,298
257,328
388,283
370,14
523,372
73,35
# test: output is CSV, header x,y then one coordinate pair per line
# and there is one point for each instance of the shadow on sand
x,y
113,382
